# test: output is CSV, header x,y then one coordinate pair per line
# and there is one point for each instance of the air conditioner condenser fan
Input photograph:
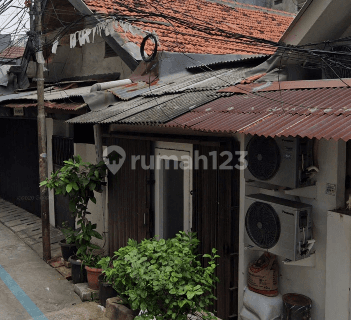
x,y
263,157
262,225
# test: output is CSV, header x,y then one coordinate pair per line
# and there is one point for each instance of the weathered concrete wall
x,y
307,280
80,61
86,60
87,152
283,5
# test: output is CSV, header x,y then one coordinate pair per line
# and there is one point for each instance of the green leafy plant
x,y
69,233
78,180
164,278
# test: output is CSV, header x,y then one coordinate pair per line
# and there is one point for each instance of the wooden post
x,y
41,120
99,157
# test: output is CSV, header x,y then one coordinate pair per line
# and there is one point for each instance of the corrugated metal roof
x,y
144,110
133,90
204,66
52,105
288,85
163,112
201,81
55,94
320,113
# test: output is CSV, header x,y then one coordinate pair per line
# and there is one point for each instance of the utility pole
x,y
41,120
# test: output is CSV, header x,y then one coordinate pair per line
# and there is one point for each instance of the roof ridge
x,y
235,3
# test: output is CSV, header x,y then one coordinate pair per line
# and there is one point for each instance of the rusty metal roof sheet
x,y
320,113
288,85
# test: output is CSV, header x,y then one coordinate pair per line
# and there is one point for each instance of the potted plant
x,y
78,180
106,289
86,250
68,245
78,272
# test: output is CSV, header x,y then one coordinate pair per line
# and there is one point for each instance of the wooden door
x,y
129,196
216,220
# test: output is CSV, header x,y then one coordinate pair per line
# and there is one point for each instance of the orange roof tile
x,y
244,19
12,53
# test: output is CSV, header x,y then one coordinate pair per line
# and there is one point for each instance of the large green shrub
x,y
164,277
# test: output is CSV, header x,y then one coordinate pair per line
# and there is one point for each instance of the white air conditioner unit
x,y
280,161
281,226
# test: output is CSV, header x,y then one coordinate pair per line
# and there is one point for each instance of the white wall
x,y
338,266
310,281
87,152
49,133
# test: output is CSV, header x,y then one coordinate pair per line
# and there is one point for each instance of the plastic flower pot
x,y
105,290
93,275
67,250
79,273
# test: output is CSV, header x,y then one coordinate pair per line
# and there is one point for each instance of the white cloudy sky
x,y
14,21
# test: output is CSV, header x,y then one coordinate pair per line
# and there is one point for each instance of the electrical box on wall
x,y
280,226
282,161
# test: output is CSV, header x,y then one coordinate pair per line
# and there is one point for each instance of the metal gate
x,y
19,168
62,149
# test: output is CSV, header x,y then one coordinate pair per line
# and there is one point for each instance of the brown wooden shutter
x,y
129,196
216,220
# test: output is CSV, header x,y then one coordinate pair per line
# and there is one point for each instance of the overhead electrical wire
x,y
215,33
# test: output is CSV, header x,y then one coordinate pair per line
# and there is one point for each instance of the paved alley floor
x,y
27,226
29,287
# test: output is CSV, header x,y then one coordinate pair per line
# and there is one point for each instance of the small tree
x,y
78,180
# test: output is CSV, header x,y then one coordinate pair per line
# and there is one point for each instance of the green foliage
x,y
69,233
78,180
164,277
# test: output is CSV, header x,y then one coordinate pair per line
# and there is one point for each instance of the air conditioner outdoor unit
x,y
280,161
281,226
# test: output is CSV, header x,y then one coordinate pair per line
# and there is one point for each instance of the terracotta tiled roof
x,y
244,19
12,53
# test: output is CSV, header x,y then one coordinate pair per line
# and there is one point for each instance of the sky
x,y
15,20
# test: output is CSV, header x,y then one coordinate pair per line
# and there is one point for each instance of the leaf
x,y
93,199
72,205
190,294
69,188
181,303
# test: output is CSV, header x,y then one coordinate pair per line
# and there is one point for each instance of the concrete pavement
x,y
42,284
